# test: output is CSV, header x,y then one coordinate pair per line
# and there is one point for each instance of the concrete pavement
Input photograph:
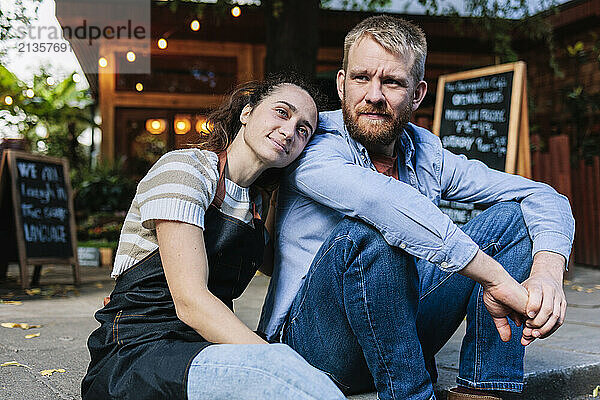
x,y
564,366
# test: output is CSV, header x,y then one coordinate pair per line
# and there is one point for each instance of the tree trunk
x,y
292,29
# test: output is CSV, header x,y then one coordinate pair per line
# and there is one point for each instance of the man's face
x,y
377,92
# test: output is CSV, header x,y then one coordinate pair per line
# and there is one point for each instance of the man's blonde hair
x,y
397,36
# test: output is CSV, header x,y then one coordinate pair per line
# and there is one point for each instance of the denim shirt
x,y
334,177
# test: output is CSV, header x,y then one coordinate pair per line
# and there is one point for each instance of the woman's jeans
x,y
256,371
370,314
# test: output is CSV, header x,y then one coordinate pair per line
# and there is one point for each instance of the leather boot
x,y
454,395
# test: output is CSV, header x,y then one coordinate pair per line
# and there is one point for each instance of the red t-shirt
x,y
385,164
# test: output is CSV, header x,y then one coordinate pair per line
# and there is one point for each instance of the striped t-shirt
x,y
179,187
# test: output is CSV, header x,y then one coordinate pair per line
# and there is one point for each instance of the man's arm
x,y
550,224
547,214
406,219
327,174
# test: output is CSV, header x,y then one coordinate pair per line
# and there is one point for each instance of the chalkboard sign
x,y
483,114
43,209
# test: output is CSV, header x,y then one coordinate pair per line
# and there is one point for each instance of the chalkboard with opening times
x,y
43,209
475,118
482,114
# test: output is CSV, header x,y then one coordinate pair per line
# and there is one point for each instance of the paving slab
x,y
564,366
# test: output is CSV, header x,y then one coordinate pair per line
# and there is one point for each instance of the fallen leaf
x,y
48,372
15,302
32,335
567,282
21,325
597,286
589,291
99,285
596,391
14,364
33,292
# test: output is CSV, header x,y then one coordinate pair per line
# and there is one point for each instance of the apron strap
x,y
220,194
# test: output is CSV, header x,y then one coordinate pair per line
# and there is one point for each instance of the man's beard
x,y
375,132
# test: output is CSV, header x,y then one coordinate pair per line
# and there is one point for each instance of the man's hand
x,y
547,305
505,300
502,295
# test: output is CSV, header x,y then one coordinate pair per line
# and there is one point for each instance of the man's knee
x,y
508,212
362,236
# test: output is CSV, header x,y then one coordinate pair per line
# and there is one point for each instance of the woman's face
x,y
278,128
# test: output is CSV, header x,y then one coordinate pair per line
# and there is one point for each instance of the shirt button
x,y
444,264
402,245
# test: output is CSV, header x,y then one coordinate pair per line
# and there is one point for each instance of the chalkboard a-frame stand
x,y
42,190
509,136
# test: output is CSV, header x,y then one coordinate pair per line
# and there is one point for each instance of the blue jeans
x,y
370,315
256,371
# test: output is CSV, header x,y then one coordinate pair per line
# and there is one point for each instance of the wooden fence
x,y
581,184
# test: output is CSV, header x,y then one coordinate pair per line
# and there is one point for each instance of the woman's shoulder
x,y
194,157
190,167
202,163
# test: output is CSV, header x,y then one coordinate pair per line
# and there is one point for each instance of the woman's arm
x,y
185,263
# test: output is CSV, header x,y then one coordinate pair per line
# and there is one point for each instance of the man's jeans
x,y
369,313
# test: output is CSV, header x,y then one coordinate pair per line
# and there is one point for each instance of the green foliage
x,y
97,243
100,229
582,105
59,112
18,14
103,188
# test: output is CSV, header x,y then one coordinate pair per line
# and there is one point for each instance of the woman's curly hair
x,y
224,122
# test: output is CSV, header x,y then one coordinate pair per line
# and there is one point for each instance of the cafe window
x,y
181,74
144,135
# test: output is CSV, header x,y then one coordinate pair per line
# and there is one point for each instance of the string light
x,y
202,126
139,87
8,100
50,81
156,126
236,11
102,62
29,93
162,43
76,78
195,25
182,125
130,56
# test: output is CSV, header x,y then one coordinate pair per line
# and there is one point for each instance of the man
x,y
371,279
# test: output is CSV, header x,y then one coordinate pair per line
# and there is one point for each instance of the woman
x,y
191,242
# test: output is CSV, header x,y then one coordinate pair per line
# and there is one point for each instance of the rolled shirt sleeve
x,y
547,213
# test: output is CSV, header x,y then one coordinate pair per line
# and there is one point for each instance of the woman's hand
x,y
185,263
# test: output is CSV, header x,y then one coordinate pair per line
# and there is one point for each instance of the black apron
x,y
142,350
